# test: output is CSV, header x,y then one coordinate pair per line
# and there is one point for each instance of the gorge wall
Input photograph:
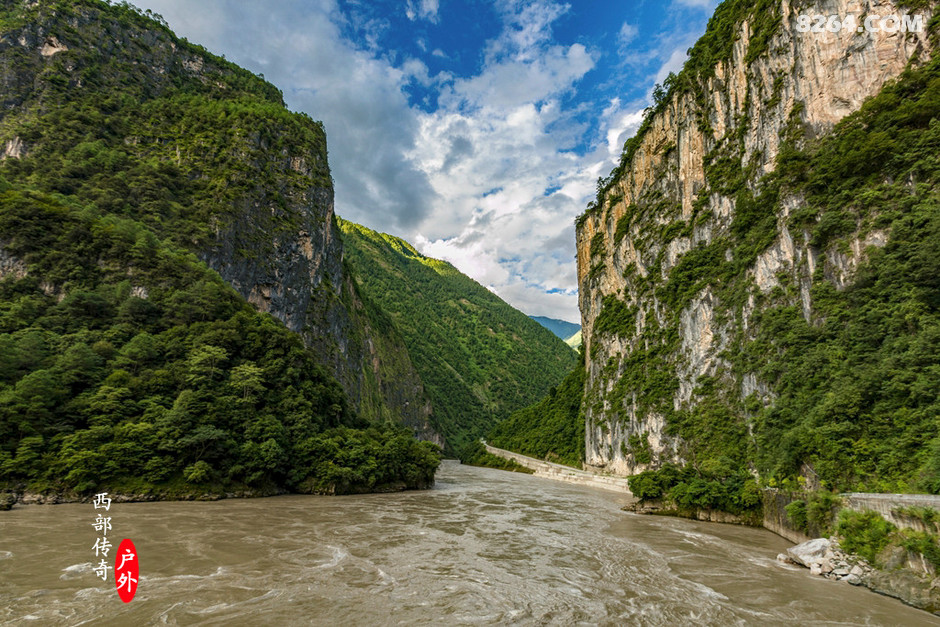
x,y
214,163
682,251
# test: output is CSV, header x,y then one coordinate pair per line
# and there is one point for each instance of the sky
x,y
474,129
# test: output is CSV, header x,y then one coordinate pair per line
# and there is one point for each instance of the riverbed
x,y
484,547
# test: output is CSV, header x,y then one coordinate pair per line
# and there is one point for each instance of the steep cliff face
x,y
108,106
688,244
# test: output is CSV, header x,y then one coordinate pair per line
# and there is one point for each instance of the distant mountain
x,y
561,328
478,358
575,340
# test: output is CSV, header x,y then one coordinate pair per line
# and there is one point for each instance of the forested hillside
x,y
784,324
125,363
131,161
108,107
552,429
479,358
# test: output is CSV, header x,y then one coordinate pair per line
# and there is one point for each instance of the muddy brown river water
x,y
484,547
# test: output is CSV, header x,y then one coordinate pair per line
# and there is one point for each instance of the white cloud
x,y
626,35
673,64
423,9
492,152
489,181
518,81
621,124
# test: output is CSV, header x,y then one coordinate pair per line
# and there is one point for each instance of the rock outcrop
x,y
903,575
650,344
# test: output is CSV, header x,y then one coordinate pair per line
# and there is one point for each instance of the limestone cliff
x,y
660,330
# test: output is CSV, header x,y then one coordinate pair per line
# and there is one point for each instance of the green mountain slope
x,y
552,429
126,364
108,107
133,162
479,358
561,328
845,392
574,341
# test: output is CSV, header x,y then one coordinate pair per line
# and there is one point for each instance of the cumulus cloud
x,y
495,157
490,180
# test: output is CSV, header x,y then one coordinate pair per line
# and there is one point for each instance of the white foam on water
x,y
708,592
83,567
76,570
339,554
385,577
164,616
4,555
219,607
85,593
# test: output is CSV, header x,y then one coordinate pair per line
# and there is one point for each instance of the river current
x,y
483,547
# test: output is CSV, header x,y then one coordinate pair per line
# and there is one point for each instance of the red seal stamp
x,y
126,570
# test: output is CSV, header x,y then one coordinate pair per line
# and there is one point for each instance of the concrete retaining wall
x,y
559,472
775,517
885,504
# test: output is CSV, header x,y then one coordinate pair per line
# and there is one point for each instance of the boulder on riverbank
x,y
897,578
809,553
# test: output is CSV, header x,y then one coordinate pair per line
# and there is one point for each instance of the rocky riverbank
x,y
905,575
9,499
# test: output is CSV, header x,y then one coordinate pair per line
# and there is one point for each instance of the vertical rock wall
x,y
645,357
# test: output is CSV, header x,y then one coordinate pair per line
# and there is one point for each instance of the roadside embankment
x,y
559,472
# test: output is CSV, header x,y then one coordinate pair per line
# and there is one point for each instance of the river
x,y
483,547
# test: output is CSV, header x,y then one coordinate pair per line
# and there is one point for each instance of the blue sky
x,y
475,129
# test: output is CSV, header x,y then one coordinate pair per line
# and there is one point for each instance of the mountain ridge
x,y
168,235
207,156
562,328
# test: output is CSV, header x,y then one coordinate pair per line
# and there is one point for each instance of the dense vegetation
x,y
124,361
552,429
858,385
132,128
127,363
479,358
869,534
813,515
689,489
